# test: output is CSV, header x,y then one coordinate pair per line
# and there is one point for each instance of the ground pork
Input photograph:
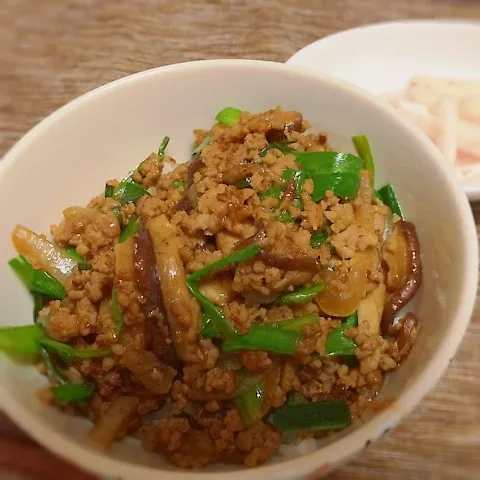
x,y
240,190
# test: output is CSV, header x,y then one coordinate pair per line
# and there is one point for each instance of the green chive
x,y
220,326
313,416
178,185
320,237
73,392
206,141
69,351
273,192
285,217
109,191
235,257
249,405
339,344
37,280
163,147
388,196
264,337
228,116
54,370
127,191
297,323
72,252
21,340
364,152
304,294
130,230
245,183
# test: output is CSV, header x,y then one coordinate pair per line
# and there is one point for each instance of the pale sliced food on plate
x,y
448,111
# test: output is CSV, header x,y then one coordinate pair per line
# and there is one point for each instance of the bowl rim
x,y
340,450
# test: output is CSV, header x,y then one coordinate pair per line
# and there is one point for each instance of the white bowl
x,y
66,159
382,58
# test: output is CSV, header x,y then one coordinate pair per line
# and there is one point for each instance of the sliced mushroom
x,y
152,373
295,259
347,287
404,277
288,196
157,331
190,198
145,268
183,312
370,309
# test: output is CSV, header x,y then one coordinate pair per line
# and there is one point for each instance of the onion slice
x,y
43,254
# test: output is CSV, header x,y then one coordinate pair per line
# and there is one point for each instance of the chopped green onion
x,y
339,344
127,191
388,196
109,191
206,141
228,116
296,399
320,237
249,405
273,192
163,147
21,340
220,325
245,183
130,230
350,360
264,337
352,320
285,217
21,266
43,283
116,210
282,146
289,174
72,252
235,257
69,351
339,172
116,312
178,185
37,280
304,294
208,329
54,370
72,392
82,264
365,153
297,323
38,303
313,416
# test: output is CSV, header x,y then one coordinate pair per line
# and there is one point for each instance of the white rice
x,y
301,448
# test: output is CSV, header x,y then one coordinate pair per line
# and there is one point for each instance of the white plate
x,y
383,58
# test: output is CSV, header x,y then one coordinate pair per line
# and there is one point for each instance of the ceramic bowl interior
x,y
66,159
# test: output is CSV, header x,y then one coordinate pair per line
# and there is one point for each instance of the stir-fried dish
x,y
249,297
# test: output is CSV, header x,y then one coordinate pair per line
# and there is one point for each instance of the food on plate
x,y
448,111
246,299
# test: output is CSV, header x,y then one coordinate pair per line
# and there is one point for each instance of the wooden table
x,y
52,51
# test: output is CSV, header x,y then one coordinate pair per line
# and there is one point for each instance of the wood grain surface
x,y
52,51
